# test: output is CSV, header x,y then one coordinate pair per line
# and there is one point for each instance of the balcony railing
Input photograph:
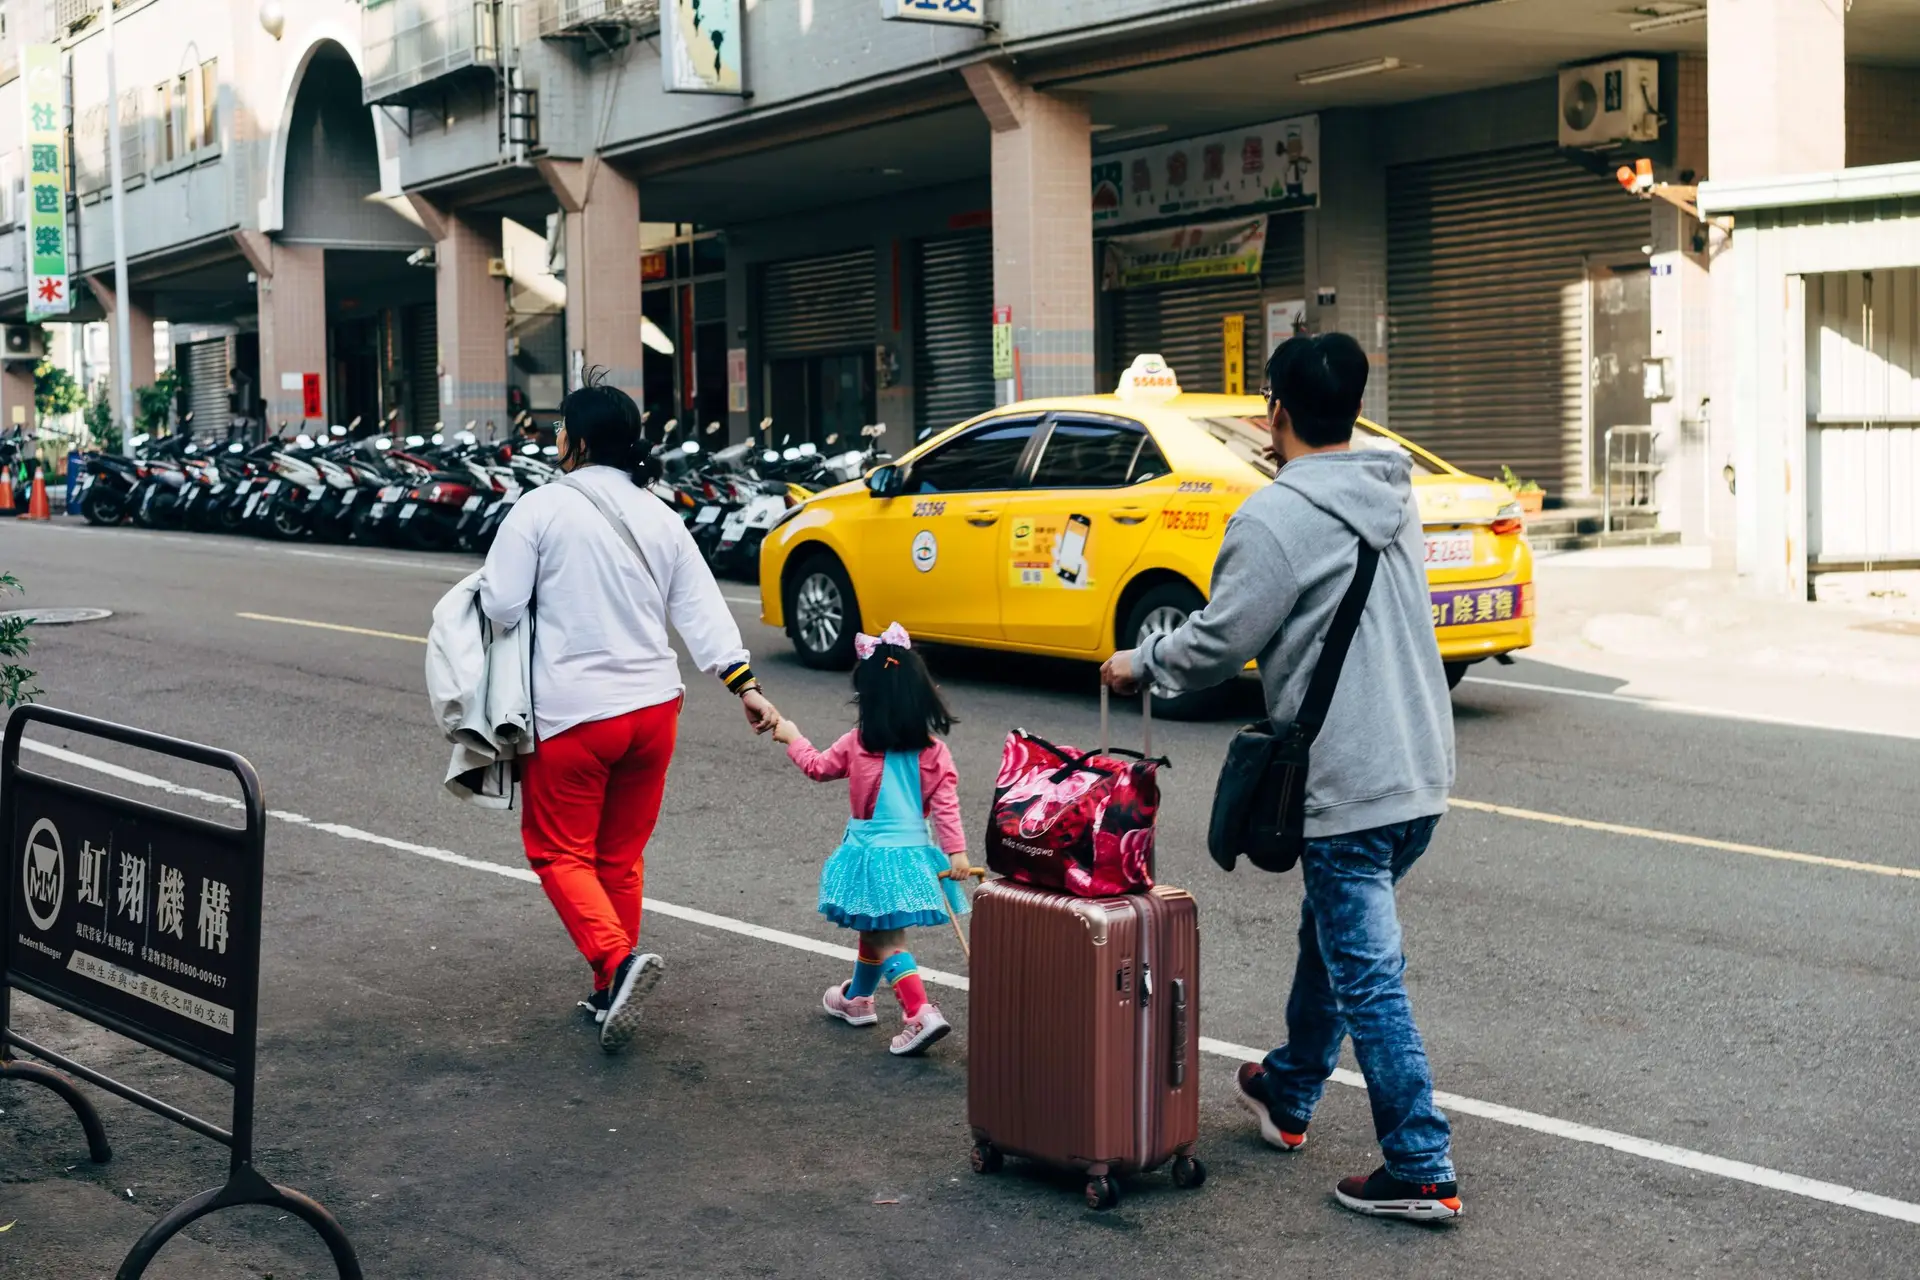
x,y
555,19
408,43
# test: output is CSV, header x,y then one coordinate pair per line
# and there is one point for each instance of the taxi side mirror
x,y
885,482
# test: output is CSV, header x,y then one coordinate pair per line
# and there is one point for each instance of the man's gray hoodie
x,y
1385,754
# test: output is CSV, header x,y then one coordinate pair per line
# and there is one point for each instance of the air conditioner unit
x,y
21,342
1606,104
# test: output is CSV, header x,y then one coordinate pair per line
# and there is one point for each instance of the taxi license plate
x,y
1447,549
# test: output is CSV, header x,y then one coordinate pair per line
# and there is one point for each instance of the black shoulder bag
x,y
1260,802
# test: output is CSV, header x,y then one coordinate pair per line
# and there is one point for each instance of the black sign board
x,y
146,922
145,919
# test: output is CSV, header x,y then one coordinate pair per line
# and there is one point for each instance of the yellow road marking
x,y
1699,842
331,626
1477,806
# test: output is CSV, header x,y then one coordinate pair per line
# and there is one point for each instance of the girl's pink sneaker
x,y
855,1012
920,1032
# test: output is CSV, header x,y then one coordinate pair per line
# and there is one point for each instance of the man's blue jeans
x,y
1348,983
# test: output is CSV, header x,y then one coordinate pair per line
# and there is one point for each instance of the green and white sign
x,y
48,286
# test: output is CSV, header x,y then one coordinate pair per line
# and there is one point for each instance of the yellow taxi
x,y
1073,527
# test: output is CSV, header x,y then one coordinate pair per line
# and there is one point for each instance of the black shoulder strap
x,y
1333,653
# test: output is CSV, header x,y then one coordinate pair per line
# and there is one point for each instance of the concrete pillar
x,y
140,335
470,308
1346,249
291,281
16,395
602,207
1042,231
1776,104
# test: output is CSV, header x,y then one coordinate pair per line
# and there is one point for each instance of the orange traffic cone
x,y
6,492
38,508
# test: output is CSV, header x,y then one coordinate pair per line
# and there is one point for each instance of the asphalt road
x,y
424,1074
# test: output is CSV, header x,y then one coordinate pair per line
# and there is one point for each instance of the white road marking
x,y
750,601
1694,709
1660,1152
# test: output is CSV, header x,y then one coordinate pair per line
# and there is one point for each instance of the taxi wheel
x,y
1163,609
821,614
1456,670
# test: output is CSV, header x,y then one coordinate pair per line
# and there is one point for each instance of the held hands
x,y
762,715
786,732
1117,674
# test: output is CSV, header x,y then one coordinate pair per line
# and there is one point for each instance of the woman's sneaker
x,y
1277,1129
921,1030
637,975
1381,1195
855,1011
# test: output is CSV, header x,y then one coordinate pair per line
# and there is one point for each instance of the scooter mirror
x,y
834,438
713,428
355,424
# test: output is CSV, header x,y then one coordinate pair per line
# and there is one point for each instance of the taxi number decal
x,y
1185,521
929,509
1195,486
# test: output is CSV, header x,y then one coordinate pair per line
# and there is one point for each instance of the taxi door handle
x,y
980,519
1129,515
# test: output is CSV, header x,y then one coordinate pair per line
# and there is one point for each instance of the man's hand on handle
x,y
1117,674
762,715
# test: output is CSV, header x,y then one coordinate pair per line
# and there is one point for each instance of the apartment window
x,y
133,138
210,103
177,119
9,188
162,125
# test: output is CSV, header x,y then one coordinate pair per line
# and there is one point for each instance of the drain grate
x,y
57,617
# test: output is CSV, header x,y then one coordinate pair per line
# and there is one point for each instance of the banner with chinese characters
x,y
1204,251
48,286
700,46
1272,166
955,13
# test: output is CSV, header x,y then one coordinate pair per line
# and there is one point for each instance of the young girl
x,y
885,876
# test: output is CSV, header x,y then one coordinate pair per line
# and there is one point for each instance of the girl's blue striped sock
x,y
866,975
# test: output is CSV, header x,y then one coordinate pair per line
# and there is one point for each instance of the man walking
x,y
1380,770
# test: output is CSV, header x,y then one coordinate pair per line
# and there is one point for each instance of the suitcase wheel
x,y
1102,1193
987,1158
1188,1172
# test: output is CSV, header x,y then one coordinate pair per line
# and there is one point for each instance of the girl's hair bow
x,y
895,635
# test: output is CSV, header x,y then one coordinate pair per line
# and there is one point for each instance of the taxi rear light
x,y
1507,520
1526,599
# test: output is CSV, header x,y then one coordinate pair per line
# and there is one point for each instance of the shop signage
x,y
956,13
1233,354
653,264
1269,166
1285,319
1203,251
1002,343
310,395
48,291
736,380
700,46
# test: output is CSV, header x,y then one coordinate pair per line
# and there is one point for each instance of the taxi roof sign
x,y
1148,379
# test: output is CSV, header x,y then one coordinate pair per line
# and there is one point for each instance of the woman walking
x,y
604,567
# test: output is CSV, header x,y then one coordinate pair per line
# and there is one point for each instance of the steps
x,y
1580,529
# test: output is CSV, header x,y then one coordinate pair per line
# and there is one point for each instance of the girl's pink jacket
x,y
939,782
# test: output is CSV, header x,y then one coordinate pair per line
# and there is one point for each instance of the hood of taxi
x,y
1458,499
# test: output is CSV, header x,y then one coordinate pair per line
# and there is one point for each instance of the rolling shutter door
x,y
205,366
423,363
1181,322
953,354
819,305
1487,299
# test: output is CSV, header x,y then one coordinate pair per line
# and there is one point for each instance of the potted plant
x,y
1527,492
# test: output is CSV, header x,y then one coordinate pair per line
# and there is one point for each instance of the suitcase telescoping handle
x,y
1146,718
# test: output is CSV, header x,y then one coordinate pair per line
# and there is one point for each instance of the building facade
x,y
805,216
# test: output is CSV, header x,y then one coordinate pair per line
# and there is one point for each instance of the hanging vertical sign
x,y
953,13
1233,354
48,291
1002,343
700,46
736,380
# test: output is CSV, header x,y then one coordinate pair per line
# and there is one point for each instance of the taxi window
x,y
985,458
1249,440
1096,455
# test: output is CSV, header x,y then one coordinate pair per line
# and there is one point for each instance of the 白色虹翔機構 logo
x,y
44,874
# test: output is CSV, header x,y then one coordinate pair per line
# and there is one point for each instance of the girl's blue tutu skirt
x,y
877,886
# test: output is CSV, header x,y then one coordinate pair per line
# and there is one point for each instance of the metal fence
x,y
563,17
1632,467
407,43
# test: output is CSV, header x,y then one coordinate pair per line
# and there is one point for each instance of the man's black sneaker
x,y
595,1005
637,975
1277,1128
1381,1195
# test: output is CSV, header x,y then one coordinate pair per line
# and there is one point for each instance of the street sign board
x,y
950,13
1003,343
49,291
